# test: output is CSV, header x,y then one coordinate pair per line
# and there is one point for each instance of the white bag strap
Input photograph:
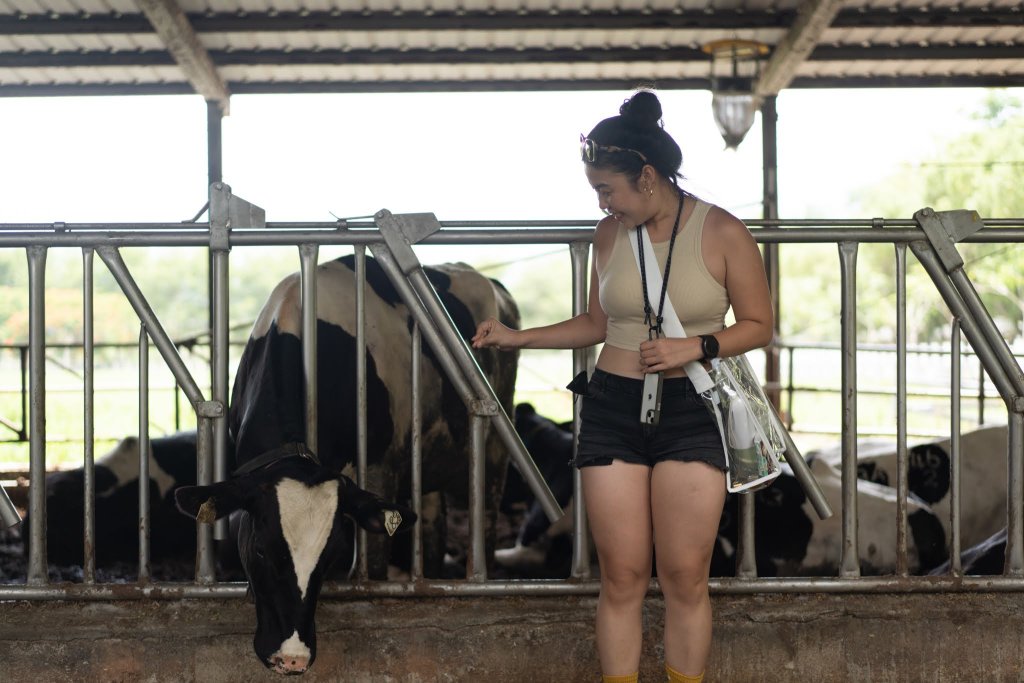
x,y
670,321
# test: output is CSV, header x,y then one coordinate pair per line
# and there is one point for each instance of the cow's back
x,y
267,406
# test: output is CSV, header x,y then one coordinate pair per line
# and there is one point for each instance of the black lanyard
x,y
654,325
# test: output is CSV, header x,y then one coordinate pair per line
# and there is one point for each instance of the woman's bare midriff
x,y
627,363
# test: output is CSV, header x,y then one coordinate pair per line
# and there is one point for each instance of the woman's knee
x,y
684,584
624,580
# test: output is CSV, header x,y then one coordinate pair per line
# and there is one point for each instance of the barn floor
x,y
820,638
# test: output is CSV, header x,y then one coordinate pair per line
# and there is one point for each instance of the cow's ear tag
x,y
207,512
392,520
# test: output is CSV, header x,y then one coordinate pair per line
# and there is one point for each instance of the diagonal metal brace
x,y
945,228
228,211
404,230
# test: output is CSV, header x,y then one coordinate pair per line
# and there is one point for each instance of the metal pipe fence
x,y
229,228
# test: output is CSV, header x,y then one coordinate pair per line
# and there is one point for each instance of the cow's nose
x,y
289,665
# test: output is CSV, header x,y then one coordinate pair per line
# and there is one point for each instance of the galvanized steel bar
x,y
88,428
476,561
23,366
746,560
1014,564
131,290
964,585
362,409
849,558
37,574
307,256
954,449
205,558
582,361
144,520
902,484
219,341
416,451
328,234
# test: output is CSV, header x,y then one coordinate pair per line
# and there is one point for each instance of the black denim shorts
x,y
611,428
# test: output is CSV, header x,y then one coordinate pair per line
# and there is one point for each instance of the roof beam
x,y
813,17
845,53
69,24
174,29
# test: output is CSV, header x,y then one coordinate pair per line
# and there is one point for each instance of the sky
x,y
461,156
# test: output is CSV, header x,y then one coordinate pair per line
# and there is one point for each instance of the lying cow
x,y
172,463
982,472
987,558
292,502
791,539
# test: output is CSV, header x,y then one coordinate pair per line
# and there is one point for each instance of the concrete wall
x,y
817,638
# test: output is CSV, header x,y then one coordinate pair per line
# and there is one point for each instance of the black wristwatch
x,y
708,346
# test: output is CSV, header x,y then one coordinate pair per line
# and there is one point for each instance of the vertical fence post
x,y
416,447
307,257
37,573
849,560
902,485
954,449
476,565
581,360
361,400
88,428
143,455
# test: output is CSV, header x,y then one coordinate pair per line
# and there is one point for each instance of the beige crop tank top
x,y
699,300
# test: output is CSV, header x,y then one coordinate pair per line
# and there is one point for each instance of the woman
x,y
653,486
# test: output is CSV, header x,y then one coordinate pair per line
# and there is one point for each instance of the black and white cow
x,y
172,463
291,503
982,472
987,558
791,539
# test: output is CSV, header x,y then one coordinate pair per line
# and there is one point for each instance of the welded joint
x,y
1018,404
401,231
483,407
228,212
209,409
944,229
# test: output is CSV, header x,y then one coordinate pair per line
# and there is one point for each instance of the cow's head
x,y
291,529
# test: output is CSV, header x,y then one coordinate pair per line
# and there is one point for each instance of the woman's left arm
x,y
745,282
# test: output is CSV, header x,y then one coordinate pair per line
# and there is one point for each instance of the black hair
x,y
637,127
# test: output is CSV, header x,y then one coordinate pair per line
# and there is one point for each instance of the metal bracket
x,y
945,228
404,230
228,211
209,408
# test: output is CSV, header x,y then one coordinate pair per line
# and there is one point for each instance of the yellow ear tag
x,y
392,520
207,512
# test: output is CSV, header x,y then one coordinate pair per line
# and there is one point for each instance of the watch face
x,y
709,345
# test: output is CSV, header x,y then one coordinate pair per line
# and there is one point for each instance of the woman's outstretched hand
x,y
492,333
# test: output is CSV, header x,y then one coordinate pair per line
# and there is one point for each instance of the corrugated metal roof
x,y
96,46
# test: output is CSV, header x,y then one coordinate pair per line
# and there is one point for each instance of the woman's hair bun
x,y
642,108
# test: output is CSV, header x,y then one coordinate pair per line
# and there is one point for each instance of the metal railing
x,y
235,223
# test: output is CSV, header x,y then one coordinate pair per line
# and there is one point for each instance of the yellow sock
x,y
629,678
676,677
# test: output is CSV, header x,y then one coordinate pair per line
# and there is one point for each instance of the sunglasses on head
x,y
589,149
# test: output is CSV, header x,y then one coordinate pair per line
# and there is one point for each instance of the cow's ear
x,y
209,503
372,512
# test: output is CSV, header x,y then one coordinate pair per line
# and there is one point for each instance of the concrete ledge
x,y
821,638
